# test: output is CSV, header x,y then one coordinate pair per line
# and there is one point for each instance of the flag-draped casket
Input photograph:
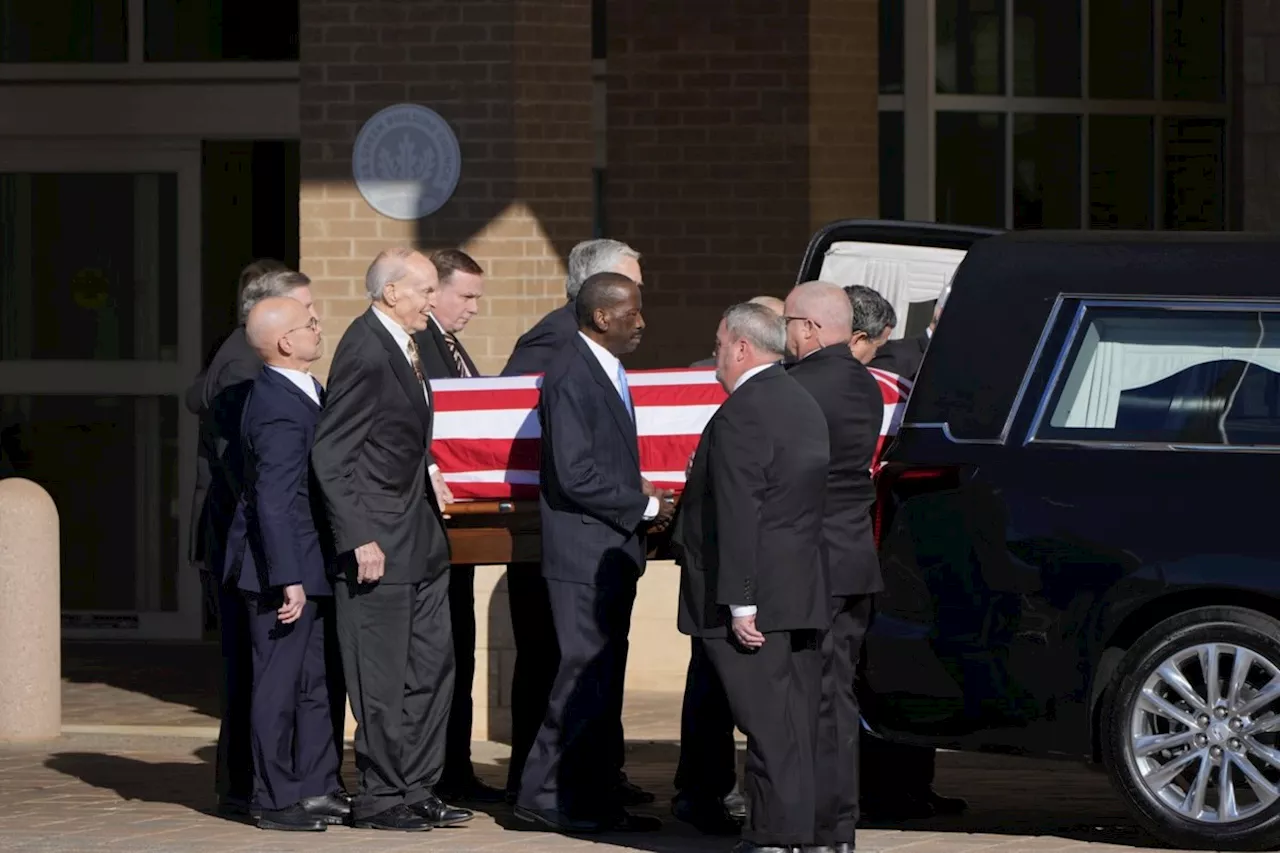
x,y
487,435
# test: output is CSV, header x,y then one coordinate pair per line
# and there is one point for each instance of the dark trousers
x,y
462,614
233,774
565,770
839,722
335,679
291,717
537,661
398,658
774,693
708,769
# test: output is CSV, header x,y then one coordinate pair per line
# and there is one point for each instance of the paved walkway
x,y
122,779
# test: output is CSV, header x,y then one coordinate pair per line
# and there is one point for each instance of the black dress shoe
x,y
842,847
748,847
332,808
559,822
439,813
292,819
469,791
399,818
625,821
232,807
945,805
736,805
632,795
708,816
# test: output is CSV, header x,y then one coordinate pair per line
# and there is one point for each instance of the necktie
x,y
625,390
319,391
455,350
415,361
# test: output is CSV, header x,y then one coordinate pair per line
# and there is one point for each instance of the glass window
x,y
66,31
1194,174
1189,377
213,30
892,167
88,266
1121,55
1046,48
1194,50
970,47
1121,183
110,464
891,46
971,173
1046,171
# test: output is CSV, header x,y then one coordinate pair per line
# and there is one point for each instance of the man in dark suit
x,y
223,388
534,634
748,539
595,507
385,500
706,782
819,321
461,286
275,557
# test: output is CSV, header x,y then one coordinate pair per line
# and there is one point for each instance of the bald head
x,y
283,333
819,315
773,303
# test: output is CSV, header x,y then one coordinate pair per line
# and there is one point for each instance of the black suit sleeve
x,y
577,473
280,446
242,367
738,457
349,411
194,398
531,354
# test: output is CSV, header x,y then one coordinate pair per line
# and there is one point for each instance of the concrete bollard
x,y
30,614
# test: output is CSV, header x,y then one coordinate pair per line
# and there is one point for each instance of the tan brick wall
x,y
513,79
733,128
1261,114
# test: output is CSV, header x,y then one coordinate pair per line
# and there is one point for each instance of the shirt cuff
x,y
433,470
651,509
740,610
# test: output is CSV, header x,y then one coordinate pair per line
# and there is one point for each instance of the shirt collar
x,y
607,360
759,368
305,382
398,334
438,326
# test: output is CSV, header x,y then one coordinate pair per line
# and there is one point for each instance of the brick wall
x,y
513,79
1261,114
734,128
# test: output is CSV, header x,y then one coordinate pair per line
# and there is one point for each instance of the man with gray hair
x,y
218,397
534,349
820,326
873,321
748,538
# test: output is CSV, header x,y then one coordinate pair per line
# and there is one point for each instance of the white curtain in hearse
x,y
904,275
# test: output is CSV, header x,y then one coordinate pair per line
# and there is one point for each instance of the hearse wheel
x,y
1191,729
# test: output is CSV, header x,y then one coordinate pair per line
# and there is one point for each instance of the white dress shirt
x,y
401,337
305,381
747,609
610,364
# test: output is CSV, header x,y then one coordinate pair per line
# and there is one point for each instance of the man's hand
x,y
744,631
649,489
294,600
688,469
444,496
666,505
370,563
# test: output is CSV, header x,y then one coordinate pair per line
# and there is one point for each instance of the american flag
x,y
487,435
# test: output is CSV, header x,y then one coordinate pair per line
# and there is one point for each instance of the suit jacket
x,y
902,356
749,526
275,537
206,452
374,480
537,347
853,407
220,400
436,360
591,498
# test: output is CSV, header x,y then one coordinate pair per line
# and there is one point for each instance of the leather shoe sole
x,y
559,823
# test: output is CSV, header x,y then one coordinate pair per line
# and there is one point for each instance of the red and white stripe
x,y
487,435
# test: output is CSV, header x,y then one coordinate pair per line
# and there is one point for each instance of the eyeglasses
x,y
313,325
811,321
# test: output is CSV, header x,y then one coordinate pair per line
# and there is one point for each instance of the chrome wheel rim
x,y
1203,733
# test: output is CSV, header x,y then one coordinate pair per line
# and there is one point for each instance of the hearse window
x,y
1208,377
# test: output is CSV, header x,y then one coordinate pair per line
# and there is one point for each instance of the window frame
x,y
1076,323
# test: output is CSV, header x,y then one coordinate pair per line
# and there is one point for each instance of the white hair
x,y
592,256
280,282
391,265
759,326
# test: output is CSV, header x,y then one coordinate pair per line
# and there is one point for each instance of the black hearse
x,y
1077,521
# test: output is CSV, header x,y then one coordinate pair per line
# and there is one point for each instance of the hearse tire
x,y
1131,731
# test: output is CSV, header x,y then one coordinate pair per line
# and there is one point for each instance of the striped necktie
x,y
455,350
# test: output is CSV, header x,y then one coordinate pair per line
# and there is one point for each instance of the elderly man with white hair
x,y
748,538
372,459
